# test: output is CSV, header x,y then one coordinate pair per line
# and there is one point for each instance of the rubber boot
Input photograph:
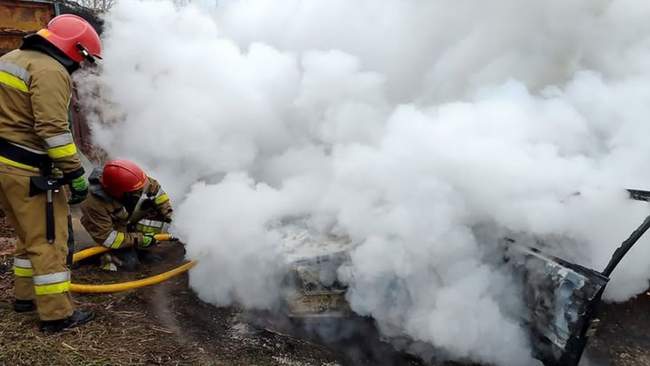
x,y
108,263
24,306
78,317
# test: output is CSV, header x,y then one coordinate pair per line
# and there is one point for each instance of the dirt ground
x,y
623,338
168,325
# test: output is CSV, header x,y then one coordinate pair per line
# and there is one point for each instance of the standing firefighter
x,y
37,157
124,211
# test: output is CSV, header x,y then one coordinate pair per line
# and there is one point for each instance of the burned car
x,y
561,297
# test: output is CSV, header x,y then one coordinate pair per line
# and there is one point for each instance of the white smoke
x,y
403,125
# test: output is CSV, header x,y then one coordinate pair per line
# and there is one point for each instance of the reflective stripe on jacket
x,y
35,92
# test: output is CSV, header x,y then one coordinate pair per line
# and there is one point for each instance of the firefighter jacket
x,y
110,223
35,92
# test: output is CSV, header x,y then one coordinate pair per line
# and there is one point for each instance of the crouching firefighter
x,y
124,211
38,157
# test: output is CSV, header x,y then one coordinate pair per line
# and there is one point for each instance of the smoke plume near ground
x,y
406,126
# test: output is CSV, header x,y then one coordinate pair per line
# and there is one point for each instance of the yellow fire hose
x,y
124,286
81,255
92,251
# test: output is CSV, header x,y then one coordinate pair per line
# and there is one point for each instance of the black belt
x,y
22,155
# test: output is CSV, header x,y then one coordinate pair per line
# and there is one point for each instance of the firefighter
x,y
38,157
124,211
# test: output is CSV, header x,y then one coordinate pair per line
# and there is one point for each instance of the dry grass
x,y
122,334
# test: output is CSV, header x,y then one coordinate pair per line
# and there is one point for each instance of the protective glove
x,y
148,240
78,190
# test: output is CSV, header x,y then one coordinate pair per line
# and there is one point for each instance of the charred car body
x,y
561,297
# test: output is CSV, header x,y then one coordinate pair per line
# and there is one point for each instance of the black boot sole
x,y
24,308
50,329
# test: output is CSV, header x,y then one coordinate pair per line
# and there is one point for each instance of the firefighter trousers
x,y
40,270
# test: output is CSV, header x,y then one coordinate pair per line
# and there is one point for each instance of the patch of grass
x,y
121,334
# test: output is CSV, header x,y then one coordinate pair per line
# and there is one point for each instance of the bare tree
x,y
96,5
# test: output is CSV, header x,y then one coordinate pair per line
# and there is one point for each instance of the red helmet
x,y
74,36
122,176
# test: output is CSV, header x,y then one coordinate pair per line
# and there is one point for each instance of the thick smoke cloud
x,y
416,129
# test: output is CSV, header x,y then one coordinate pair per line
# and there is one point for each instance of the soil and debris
x,y
168,324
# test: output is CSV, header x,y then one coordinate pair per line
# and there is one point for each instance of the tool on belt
x,y
49,185
70,242
49,182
